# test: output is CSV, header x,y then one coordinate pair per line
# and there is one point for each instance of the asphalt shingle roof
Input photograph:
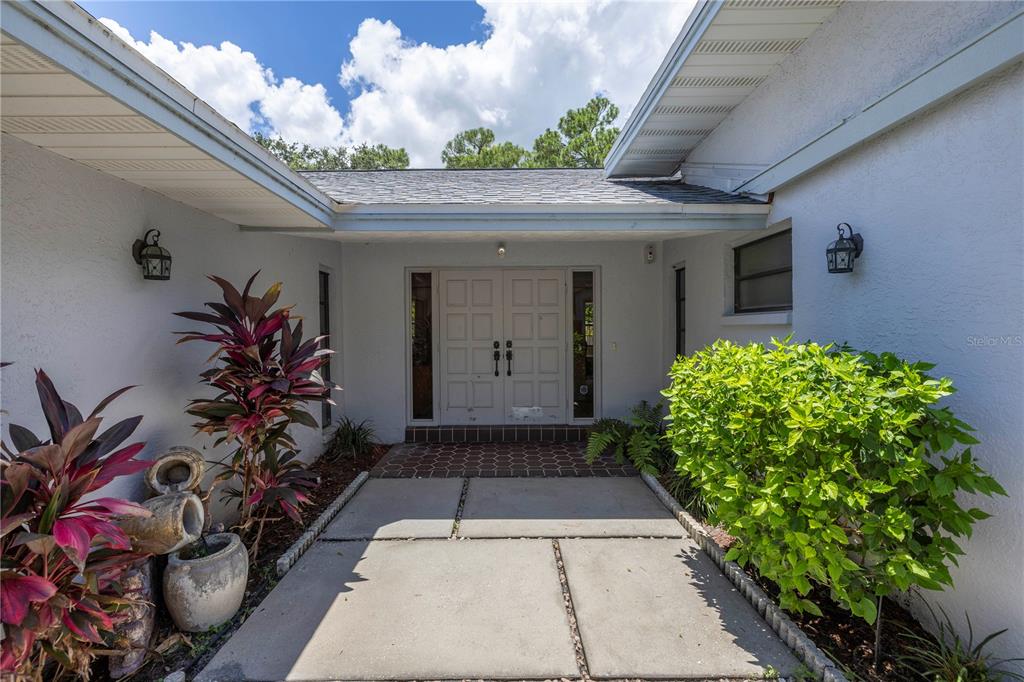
x,y
512,186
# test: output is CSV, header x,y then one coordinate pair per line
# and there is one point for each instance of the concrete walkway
x,y
535,579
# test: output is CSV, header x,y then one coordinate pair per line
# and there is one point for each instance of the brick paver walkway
x,y
492,460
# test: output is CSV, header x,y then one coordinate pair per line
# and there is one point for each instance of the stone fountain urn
x,y
204,583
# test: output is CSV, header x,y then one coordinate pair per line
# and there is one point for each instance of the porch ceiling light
x,y
841,253
154,259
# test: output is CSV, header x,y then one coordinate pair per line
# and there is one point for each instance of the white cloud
x,y
539,59
235,83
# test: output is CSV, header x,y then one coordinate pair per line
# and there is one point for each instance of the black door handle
x,y
508,358
497,358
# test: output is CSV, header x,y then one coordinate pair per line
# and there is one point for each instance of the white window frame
x,y
729,314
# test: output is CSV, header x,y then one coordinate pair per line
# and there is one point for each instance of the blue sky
x,y
406,74
305,40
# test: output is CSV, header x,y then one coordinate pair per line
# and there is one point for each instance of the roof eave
x,y
77,42
499,219
696,25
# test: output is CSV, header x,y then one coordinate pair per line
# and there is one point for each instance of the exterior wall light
x,y
841,253
501,250
154,259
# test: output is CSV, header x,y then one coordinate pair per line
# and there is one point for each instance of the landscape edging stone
x,y
306,540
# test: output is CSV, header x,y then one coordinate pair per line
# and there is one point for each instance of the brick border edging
x,y
306,540
821,665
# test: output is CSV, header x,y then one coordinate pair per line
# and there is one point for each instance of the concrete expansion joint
x,y
821,665
570,613
460,508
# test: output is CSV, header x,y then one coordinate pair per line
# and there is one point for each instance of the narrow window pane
x,y
422,350
773,292
583,344
768,254
764,274
680,311
325,330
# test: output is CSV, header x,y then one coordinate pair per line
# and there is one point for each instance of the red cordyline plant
x,y
62,554
264,375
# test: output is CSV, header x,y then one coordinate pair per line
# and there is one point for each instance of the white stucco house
x,y
470,304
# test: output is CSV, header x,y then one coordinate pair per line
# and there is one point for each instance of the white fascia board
x,y
516,211
998,48
696,25
81,45
501,219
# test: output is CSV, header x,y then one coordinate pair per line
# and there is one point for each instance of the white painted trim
x,y
696,24
505,219
78,43
999,47
447,211
780,317
721,176
729,271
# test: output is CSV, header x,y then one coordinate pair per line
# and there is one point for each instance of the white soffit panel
x,y
735,52
46,106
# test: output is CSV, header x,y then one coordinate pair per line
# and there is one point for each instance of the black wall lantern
x,y
154,259
840,254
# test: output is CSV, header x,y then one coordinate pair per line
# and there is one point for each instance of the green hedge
x,y
825,465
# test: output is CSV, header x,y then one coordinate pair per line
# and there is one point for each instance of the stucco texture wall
x,y
74,302
374,332
939,203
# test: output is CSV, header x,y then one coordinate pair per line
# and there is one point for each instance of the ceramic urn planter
x,y
204,585
175,520
179,470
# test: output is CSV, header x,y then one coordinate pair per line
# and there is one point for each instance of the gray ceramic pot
x,y
204,592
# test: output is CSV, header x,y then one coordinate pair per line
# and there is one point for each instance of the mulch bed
x,y
845,638
174,651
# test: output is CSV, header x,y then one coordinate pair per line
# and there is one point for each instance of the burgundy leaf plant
x,y
62,552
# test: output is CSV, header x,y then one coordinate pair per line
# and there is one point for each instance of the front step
x,y
521,433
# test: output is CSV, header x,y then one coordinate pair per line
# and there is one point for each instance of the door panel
x,y
534,322
471,303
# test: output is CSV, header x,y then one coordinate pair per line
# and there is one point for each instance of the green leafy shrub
x,y
825,465
351,439
947,657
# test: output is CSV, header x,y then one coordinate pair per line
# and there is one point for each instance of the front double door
x,y
502,346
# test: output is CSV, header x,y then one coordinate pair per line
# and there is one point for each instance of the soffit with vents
x,y
51,107
725,51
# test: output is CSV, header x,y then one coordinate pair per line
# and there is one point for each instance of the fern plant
x,y
608,435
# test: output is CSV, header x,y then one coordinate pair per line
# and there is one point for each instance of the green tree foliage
x,y
377,157
307,157
582,139
475,148
828,467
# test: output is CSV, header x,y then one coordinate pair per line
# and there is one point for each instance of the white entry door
x,y
535,335
472,381
518,314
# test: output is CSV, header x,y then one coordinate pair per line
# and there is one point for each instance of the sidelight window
x,y
583,337
421,330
